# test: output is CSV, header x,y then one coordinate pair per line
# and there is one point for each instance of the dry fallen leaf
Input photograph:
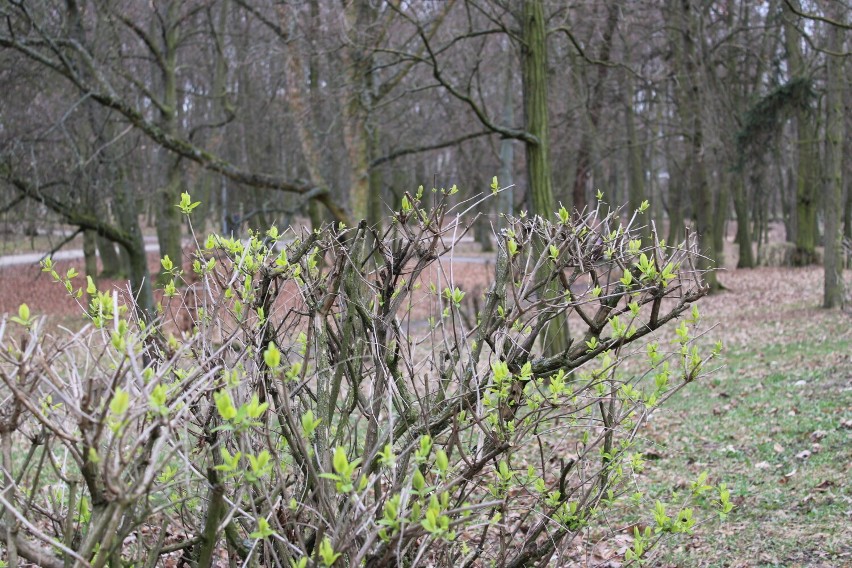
x,y
803,455
818,435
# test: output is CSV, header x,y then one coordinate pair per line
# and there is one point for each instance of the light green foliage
x,y
263,529
259,466
272,356
455,296
344,472
309,423
186,204
512,246
326,553
309,400
120,403
230,463
225,405
242,417
435,521
23,317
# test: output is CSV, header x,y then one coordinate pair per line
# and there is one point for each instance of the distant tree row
x,y
710,111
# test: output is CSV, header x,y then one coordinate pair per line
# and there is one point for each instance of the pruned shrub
x,y
336,403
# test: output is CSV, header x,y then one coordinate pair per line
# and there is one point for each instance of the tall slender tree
x,y
834,134
807,165
689,105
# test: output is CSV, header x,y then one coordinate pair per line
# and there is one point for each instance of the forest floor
x,y
774,422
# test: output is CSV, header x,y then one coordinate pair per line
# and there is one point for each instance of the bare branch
x,y
428,147
816,17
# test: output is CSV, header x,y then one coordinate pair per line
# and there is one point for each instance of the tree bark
x,y
357,105
847,215
375,207
90,254
635,167
834,132
111,261
690,107
506,178
720,217
847,164
134,248
538,159
535,109
806,171
746,259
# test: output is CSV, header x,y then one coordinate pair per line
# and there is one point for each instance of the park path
x,y
62,255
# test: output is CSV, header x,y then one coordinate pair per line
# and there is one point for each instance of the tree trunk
x,y
299,102
788,196
834,131
675,208
720,218
741,209
169,217
535,109
534,61
90,254
806,178
847,215
507,150
169,221
847,164
111,261
357,103
689,108
137,259
375,208
635,169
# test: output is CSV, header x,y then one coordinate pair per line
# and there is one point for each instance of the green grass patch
x,y
775,424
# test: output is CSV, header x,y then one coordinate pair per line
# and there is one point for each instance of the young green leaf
x,y
225,405
263,529
327,554
272,356
120,402
186,205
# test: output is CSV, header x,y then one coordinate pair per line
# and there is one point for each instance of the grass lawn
x,y
775,424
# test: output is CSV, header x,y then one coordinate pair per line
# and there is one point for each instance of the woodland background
x,y
729,116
